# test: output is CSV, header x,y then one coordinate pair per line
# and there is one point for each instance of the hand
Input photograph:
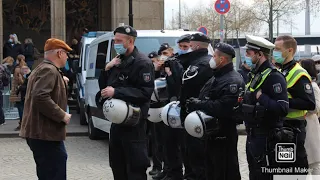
x,y
113,62
258,94
157,66
168,71
67,118
66,79
192,104
107,92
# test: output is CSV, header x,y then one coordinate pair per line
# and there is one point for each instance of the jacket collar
x,y
263,66
225,69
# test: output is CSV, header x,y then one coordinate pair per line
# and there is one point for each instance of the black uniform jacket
x,y
274,97
197,65
133,80
220,94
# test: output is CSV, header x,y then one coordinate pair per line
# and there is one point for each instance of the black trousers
x,y
157,133
222,156
50,158
174,148
128,153
195,153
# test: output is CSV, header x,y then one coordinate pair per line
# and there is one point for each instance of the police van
x,y
78,66
101,51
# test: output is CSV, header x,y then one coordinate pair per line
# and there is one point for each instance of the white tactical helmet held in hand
x,y
198,124
155,115
120,112
170,115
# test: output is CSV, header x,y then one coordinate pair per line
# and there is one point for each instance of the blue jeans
x,y
50,158
20,106
30,64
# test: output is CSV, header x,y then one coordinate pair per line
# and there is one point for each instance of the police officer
x,y
217,98
173,73
264,105
197,73
184,45
128,77
300,93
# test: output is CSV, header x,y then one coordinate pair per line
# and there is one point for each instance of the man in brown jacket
x,y
45,118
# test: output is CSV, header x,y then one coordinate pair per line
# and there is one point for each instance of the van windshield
x,y
149,44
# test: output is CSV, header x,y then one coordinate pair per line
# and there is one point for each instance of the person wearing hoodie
x,y
13,47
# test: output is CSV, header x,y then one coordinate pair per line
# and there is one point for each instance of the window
x,y
101,57
85,56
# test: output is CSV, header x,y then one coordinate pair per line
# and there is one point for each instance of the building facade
x,y
65,19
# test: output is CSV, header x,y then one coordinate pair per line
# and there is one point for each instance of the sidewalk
x,y
73,129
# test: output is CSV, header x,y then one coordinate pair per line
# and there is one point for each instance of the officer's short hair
x,y
288,42
220,53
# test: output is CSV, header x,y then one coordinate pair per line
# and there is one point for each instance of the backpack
x,y
5,75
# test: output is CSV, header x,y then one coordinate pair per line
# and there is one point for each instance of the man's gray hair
x,y
52,51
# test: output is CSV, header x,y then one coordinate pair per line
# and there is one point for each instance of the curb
x,y
16,134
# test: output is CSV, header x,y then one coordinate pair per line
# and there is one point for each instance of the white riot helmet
x,y
170,115
160,92
120,112
155,115
198,124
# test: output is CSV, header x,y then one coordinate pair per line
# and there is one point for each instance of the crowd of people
x,y
275,96
19,61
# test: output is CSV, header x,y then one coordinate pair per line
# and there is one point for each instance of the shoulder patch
x,y
277,88
233,88
146,77
308,88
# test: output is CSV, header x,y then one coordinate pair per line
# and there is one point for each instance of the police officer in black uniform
x,y
184,45
217,98
129,77
156,129
173,73
265,104
197,73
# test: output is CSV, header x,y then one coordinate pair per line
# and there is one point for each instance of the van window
x,y
85,56
101,57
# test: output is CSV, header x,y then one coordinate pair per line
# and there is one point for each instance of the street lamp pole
x,y
179,14
130,14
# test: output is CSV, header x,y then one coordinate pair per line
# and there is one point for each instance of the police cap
x,y
163,47
200,37
153,54
316,58
226,48
128,30
184,38
258,43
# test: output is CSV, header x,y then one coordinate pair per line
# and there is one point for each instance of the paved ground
x,y
88,160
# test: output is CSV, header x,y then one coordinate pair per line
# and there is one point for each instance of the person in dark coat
x,y
29,52
13,47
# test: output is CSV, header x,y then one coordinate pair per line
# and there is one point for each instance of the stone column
x,y
1,31
104,11
147,14
58,19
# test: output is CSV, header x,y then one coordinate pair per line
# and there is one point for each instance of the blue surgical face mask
x,y
248,61
25,76
10,41
120,49
278,57
180,51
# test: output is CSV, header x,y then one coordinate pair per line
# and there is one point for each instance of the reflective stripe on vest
x,y
264,74
293,76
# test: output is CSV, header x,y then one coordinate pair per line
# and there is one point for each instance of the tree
x,y
268,11
239,18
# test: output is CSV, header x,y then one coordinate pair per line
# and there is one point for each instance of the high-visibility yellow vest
x,y
292,77
264,74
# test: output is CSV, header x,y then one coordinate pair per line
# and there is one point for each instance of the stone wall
x,y
147,14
